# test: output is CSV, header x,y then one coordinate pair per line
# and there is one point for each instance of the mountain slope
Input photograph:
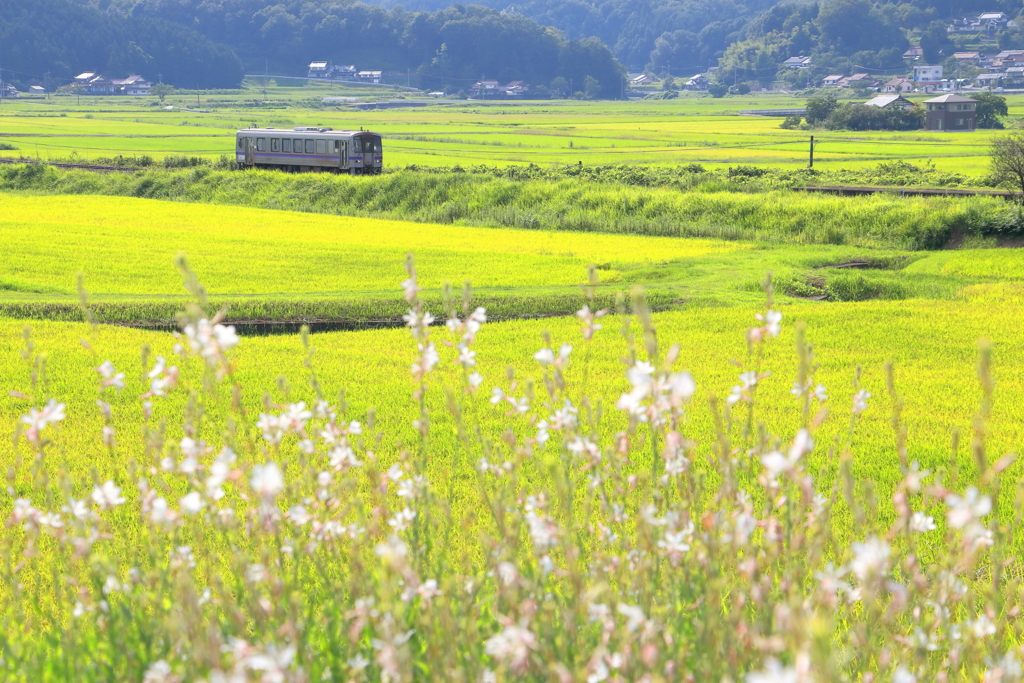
x,y
63,38
453,47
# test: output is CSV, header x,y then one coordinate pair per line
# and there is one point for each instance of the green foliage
x,y
162,91
936,43
449,48
990,108
184,162
790,123
821,107
717,89
65,39
663,95
850,116
6,147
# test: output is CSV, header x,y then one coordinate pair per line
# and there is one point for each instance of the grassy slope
x,y
280,265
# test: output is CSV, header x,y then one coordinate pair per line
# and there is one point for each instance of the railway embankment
x,y
710,205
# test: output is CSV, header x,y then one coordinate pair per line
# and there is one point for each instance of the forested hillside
x,y
845,36
64,39
684,35
452,47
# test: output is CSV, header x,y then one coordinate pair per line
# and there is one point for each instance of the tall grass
x,y
569,204
599,542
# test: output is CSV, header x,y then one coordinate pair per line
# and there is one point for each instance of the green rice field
x,y
689,129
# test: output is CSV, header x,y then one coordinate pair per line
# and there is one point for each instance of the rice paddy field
x,y
757,436
286,266
446,133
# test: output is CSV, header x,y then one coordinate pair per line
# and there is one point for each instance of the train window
x,y
261,144
368,145
286,145
309,147
357,145
321,146
377,145
337,146
298,146
241,143
275,145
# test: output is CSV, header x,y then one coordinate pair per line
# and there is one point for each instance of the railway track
x,y
84,167
853,191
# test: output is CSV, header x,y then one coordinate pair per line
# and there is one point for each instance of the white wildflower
x,y
860,401
267,480
192,503
920,523
107,496
774,672
870,559
970,507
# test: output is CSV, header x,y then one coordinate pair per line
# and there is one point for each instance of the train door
x,y
249,152
341,147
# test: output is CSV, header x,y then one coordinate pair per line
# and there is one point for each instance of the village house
x,y
988,22
369,76
640,79
898,85
989,80
832,80
485,88
1013,76
1009,58
913,53
698,83
858,81
950,112
94,83
800,62
97,84
967,57
133,85
516,88
928,74
890,102
328,71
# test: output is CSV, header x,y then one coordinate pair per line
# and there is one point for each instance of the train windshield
x,y
371,144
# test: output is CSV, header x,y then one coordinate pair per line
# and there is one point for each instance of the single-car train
x,y
309,149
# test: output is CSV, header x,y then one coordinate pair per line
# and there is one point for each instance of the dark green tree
x,y
936,43
819,108
990,107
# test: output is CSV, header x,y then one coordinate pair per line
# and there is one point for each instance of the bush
x,y
848,116
746,172
184,161
791,123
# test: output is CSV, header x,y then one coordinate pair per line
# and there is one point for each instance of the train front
x,y
369,150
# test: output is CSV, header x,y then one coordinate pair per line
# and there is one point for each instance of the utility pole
x,y
811,163
197,96
46,84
